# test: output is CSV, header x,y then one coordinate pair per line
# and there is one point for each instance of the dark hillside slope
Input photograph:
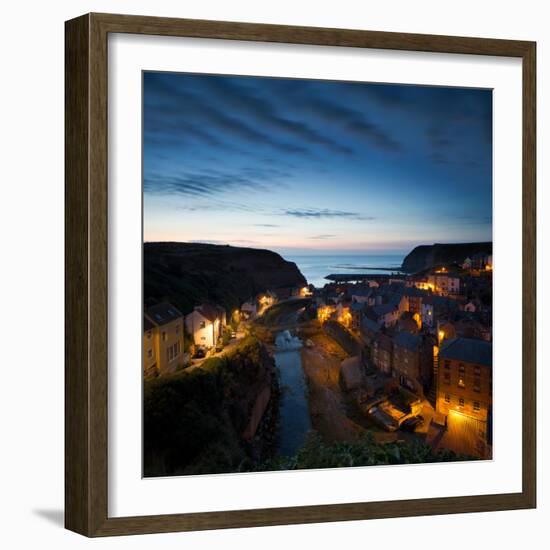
x,y
187,274
427,256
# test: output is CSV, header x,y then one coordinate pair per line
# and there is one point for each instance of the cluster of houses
x,y
167,332
479,262
429,334
255,306
164,328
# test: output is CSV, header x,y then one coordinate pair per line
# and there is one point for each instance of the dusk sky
x,y
308,166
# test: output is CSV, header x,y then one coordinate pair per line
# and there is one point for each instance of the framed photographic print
x,y
300,275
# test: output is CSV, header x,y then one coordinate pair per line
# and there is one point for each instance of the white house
x,y
205,324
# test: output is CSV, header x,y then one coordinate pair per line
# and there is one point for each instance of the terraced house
x,y
464,387
412,361
162,339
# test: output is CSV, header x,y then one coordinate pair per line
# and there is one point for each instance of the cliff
x,y
427,256
187,274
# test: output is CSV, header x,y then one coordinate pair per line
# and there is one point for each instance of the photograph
x,y
317,274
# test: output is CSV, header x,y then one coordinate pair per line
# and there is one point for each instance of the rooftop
x,y
210,311
383,309
468,350
369,324
163,313
407,340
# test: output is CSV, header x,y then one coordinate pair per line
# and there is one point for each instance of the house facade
x,y
464,382
363,295
444,284
356,310
382,353
163,339
205,325
412,361
149,349
384,314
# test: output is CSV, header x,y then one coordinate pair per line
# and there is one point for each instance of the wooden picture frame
x,y
86,283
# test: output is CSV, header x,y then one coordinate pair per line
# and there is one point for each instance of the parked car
x,y
412,423
199,353
382,419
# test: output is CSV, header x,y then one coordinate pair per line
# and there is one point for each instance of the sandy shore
x,y
321,364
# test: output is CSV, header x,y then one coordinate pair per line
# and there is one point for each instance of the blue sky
x,y
309,166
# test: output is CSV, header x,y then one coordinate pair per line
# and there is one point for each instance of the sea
x,y
316,267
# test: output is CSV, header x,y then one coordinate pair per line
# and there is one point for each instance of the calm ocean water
x,y
316,268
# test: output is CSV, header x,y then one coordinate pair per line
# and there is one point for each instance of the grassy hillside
x,y
187,274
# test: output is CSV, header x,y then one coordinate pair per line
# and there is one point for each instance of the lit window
x,y
461,383
476,406
461,402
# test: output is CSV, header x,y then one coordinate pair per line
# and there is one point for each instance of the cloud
x,y
438,139
210,183
322,237
196,184
172,108
247,101
266,225
325,213
353,123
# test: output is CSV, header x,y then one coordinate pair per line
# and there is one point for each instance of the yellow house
x,y
464,394
162,340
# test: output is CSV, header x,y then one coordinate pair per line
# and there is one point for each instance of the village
x,y
405,356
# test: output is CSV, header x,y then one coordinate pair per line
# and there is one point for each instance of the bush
x,y
192,419
365,452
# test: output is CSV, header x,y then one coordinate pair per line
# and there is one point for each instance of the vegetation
x,y
365,452
226,336
187,274
193,419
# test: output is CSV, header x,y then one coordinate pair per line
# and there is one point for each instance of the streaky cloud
x,y
325,213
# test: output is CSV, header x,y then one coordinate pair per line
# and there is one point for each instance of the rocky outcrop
x,y
426,256
187,274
